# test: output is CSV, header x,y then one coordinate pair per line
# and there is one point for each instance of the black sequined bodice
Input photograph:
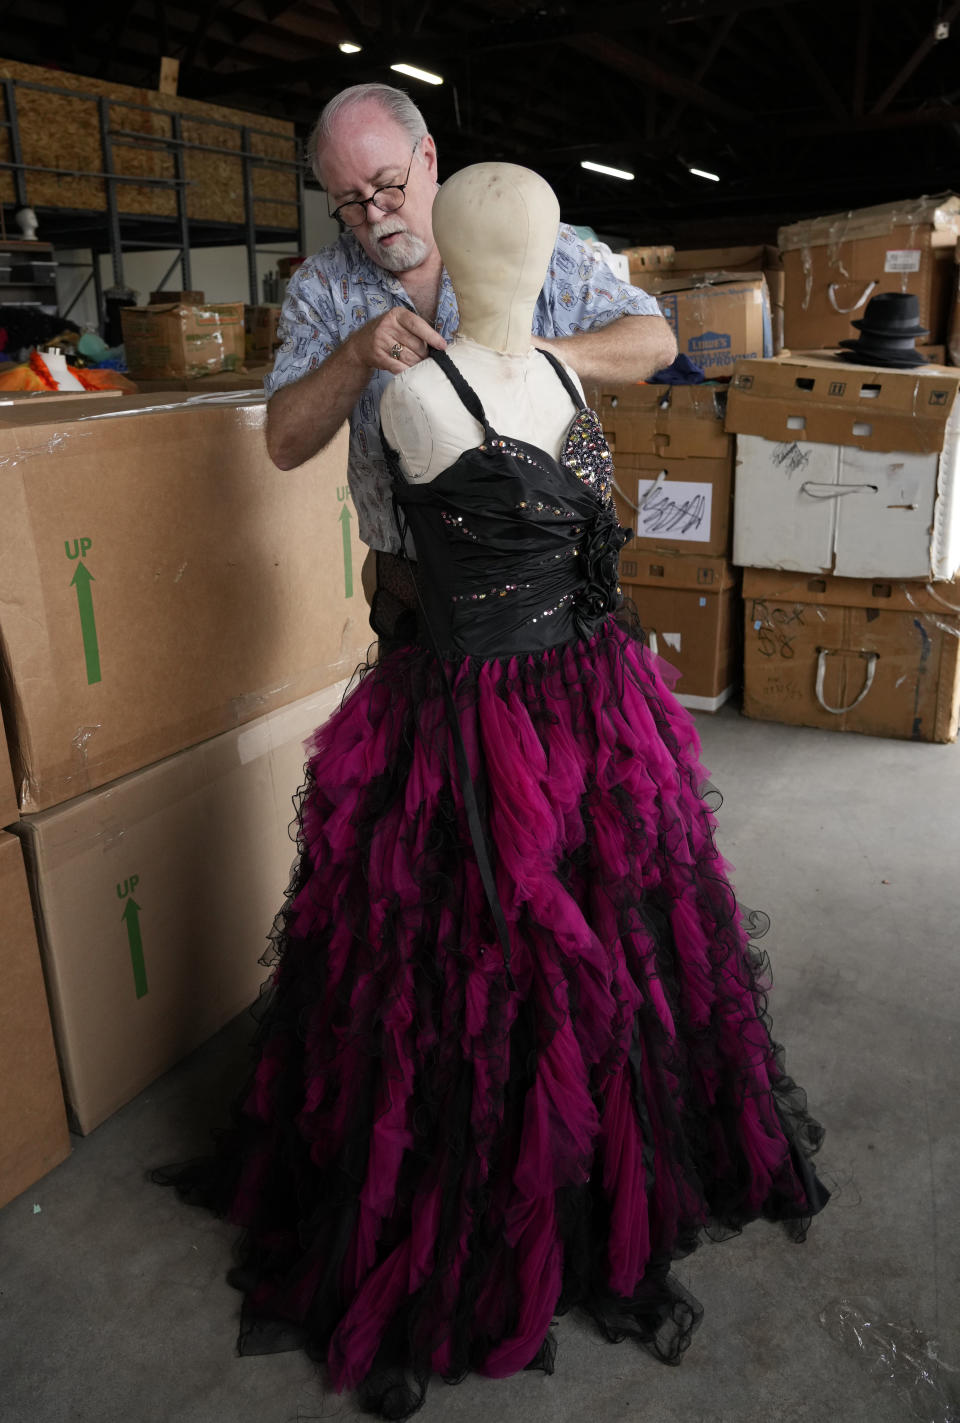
x,y
516,550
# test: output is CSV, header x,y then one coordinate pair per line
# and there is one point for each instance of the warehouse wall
x,y
219,272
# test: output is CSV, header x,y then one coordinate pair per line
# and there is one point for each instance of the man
x,y
373,303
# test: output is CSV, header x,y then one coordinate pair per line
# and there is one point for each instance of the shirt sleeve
x,y
308,327
582,293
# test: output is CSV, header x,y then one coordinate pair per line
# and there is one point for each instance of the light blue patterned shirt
x,y
340,289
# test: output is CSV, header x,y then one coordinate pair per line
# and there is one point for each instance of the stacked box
x,y
182,340
261,323
155,897
834,265
674,488
849,473
176,615
33,1124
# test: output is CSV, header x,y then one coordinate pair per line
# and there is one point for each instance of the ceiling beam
x,y
916,59
798,43
616,56
700,73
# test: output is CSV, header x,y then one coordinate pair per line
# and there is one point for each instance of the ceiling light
x,y
702,173
414,73
602,168
348,48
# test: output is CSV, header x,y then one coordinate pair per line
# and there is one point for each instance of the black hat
x,y
892,314
889,330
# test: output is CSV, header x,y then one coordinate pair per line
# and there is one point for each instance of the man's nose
x,y
381,212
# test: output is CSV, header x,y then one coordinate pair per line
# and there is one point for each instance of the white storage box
x,y
846,469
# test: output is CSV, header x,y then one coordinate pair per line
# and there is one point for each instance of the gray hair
x,y
395,104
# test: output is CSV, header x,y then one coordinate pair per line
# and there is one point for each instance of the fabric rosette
x,y
599,554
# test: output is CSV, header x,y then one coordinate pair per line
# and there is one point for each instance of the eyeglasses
x,y
386,199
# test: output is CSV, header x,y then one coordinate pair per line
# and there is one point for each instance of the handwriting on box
x,y
677,509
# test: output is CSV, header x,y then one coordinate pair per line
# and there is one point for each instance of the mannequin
x,y
495,226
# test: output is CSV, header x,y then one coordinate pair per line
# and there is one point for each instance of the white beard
x,y
408,251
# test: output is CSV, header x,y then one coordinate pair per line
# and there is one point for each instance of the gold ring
x,y
395,350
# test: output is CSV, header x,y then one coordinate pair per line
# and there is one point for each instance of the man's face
x,y
369,151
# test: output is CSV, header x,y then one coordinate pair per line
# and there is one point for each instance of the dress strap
x,y
568,384
466,393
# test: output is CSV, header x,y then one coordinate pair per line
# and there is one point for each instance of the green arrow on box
x,y
131,915
347,552
81,580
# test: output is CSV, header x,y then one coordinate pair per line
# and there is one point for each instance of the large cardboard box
x,y
249,380
717,317
846,469
689,608
161,581
673,464
848,654
180,340
33,1124
155,896
834,265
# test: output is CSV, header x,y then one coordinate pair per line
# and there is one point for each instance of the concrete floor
x,y
113,1303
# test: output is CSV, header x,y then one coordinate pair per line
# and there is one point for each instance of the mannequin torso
x,y
426,422
495,225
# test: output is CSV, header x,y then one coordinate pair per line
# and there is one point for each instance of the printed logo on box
x,y
710,341
938,397
745,382
837,387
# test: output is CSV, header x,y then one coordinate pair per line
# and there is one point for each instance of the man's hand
x,y
374,344
304,416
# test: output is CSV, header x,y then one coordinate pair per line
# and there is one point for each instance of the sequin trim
x,y
490,593
587,455
455,523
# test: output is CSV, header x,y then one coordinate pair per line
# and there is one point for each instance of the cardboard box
x,y
169,298
689,608
673,464
846,469
953,324
9,805
33,1123
161,581
645,260
760,258
181,340
261,324
249,379
155,897
834,265
848,654
717,317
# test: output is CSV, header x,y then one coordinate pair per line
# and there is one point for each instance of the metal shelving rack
x,y
116,232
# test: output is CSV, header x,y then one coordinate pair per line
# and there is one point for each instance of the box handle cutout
x,y
870,392
871,661
881,590
843,310
804,383
860,427
833,491
796,422
816,585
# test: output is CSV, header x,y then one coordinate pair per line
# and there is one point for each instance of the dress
x,y
514,1055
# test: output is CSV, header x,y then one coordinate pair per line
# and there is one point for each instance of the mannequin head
x,y
496,225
